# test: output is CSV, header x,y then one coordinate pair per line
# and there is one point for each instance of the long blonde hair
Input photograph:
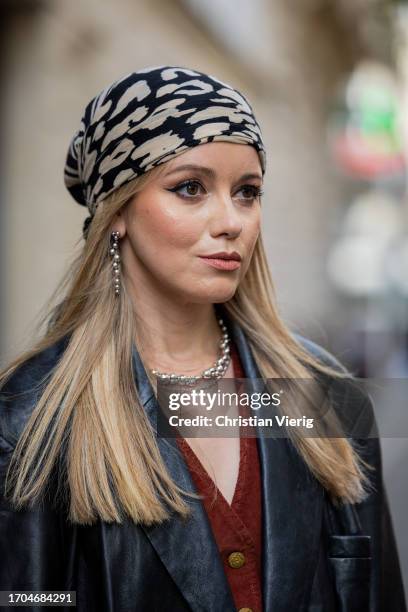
x,y
89,412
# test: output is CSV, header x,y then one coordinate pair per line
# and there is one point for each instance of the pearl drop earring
x,y
114,252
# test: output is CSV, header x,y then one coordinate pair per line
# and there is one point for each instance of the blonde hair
x,y
89,420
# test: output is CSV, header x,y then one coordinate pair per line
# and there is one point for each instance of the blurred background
x,y
328,80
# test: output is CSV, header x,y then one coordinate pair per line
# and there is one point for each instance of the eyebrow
x,y
210,172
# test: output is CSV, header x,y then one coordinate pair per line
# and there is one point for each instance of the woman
x,y
170,163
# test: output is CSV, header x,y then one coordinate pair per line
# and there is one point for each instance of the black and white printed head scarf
x,y
146,118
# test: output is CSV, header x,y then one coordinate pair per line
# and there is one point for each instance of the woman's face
x,y
205,201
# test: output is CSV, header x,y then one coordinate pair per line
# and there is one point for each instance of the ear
x,y
119,224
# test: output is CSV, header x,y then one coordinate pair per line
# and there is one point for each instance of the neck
x,y
173,337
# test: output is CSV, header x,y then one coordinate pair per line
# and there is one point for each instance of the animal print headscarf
x,y
146,118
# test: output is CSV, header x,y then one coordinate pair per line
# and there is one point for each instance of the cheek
x,y
251,238
163,228
253,233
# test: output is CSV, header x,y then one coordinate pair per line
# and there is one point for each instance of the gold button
x,y
236,560
245,610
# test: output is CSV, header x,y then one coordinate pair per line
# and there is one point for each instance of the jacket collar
x,y
292,505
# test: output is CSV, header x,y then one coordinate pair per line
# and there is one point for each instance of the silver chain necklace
x,y
216,371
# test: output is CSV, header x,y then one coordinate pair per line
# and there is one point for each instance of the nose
x,y
225,217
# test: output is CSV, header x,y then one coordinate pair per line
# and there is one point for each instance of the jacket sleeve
x,y
387,589
357,414
31,542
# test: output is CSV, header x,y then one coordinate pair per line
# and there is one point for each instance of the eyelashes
x,y
256,192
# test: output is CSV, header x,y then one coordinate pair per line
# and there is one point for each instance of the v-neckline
x,y
209,482
243,453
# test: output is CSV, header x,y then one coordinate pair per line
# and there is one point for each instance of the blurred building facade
x,y
287,57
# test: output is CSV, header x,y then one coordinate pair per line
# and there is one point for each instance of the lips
x,y
223,255
223,261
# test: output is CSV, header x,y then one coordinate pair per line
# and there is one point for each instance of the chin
x,y
198,289
215,295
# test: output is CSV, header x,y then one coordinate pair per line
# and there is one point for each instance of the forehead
x,y
222,157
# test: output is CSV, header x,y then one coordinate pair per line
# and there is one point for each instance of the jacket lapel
x,y
186,547
292,504
291,511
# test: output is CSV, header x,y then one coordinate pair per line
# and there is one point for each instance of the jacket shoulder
x,y
348,395
320,353
20,392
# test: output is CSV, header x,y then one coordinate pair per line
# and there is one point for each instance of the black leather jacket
x,y
176,566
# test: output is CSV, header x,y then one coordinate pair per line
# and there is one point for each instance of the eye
x,y
251,192
188,189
